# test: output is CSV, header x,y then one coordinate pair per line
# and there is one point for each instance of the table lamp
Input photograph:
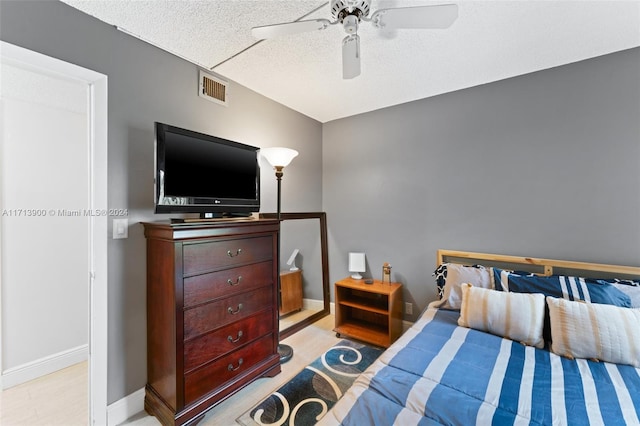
x,y
357,264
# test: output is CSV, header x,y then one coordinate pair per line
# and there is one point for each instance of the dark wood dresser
x,y
212,313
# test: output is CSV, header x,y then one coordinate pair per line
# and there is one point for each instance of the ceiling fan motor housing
x,y
341,9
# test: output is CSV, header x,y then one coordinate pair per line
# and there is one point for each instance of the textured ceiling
x,y
490,41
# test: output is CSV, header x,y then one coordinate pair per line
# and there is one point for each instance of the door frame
x,y
98,224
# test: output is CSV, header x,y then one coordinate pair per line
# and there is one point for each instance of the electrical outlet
x,y
408,308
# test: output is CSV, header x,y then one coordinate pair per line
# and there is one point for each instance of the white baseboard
x,y
125,408
312,304
43,366
317,305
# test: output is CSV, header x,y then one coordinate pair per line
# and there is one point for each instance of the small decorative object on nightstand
x,y
386,273
371,313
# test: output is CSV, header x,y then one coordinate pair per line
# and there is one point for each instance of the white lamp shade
x,y
278,157
357,264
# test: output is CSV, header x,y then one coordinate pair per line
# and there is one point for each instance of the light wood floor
x,y
294,318
60,398
308,344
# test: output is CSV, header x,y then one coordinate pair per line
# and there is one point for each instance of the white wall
x,y
45,246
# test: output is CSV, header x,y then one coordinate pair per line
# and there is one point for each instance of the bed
x,y
440,372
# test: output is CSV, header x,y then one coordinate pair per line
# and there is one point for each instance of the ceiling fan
x,y
350,13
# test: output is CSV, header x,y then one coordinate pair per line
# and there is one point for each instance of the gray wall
x,y
147,84
543,165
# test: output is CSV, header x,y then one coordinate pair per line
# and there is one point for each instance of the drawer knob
x,y
236,282
237,253
232,340
232,312
232,368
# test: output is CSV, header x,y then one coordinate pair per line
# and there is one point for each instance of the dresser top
x,y
205,228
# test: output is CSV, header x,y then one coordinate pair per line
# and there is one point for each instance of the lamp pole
x,y
279,175
284,351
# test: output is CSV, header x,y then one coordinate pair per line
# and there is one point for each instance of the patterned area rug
x,y
312,392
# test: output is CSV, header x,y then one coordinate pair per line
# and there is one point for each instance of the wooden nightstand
x,y
369,312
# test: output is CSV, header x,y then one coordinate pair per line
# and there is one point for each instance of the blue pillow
x,y
560,286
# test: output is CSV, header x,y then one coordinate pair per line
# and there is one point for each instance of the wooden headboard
x,y
539,265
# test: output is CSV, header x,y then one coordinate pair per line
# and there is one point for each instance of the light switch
x,y
120,228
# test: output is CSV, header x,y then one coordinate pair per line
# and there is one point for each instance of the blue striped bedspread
x,y
438,373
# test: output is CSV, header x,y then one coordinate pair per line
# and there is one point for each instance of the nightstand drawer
x,y
210,346
208,317
203,288
211,256
208,378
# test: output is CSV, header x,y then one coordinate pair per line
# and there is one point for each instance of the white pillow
x,y
516,316
457,275
590,330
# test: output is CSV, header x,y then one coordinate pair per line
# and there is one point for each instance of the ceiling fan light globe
x,y
350,24
350,56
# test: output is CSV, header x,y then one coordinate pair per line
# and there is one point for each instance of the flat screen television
x,y
198,173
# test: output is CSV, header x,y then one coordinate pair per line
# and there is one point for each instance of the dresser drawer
x,y
204,380
206,287
217,343
204,318
211,256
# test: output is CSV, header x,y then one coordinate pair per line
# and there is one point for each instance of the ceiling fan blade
x,y
426,17
351,56
288,28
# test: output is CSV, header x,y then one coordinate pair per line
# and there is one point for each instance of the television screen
x,y
201,173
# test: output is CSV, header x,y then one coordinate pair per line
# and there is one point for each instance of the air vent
x,y
213,89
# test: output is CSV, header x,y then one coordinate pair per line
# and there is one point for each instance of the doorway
x,y
40,218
